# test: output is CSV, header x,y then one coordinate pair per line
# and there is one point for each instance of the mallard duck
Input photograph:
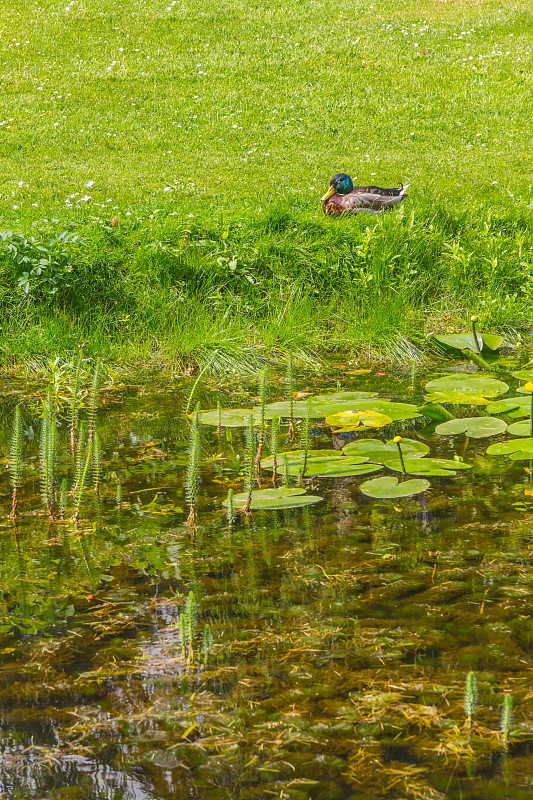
x,y
343,197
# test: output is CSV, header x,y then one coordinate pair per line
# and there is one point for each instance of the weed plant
x,y
15,460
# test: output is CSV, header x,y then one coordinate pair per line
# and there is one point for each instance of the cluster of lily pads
x,y
365,411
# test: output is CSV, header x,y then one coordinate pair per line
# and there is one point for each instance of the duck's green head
x,y
339,184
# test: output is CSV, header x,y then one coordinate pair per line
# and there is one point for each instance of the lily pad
x,y
436,412
299,410
457,399
321,463
352,420
388,488
517,450
524,374
476,427
478,385
514,406
382,452
229,417
443,467
522,428
462,341
271,499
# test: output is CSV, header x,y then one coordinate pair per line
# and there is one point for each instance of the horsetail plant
x,y
15,460
305,441
47,455
262,400
74,404
84,473
506,718
285,471
78,464
193,468
290,397
230,505
63,498
249,462
470,699
97,463
95,388
274,447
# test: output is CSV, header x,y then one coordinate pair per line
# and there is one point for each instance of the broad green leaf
x,y
514,406
270,499
396,411
435,412
476,427
352,420
341,400
319,406
457,399
460,383
516,450
229,417
388,488
299,410
520,428
382,452
462,341
524,374
321,463
428,466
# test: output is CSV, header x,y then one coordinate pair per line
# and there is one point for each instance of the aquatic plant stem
x,y
193,468
474,334
397,440
290,434
262,395
15,460
74,403
305,440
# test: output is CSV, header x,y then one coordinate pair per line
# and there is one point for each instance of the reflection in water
x,y
325,657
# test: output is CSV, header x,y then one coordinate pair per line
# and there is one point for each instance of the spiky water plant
x,y
249,462
274,447
97,463
80,450
470,699
506,718
192,481
230,509
118,496
95,389
290,396
286,479
262,400
207,642
84,475
47,455
75,403
305,441
63,498
15,460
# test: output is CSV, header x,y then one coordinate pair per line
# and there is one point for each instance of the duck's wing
x,y
374,198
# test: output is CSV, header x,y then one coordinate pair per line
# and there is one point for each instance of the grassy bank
x,y
186,147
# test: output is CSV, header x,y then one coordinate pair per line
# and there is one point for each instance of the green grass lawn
x,y
223,122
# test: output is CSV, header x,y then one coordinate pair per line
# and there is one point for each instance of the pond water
x,y
316,652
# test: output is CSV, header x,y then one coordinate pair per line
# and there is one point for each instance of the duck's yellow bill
x,y
328,194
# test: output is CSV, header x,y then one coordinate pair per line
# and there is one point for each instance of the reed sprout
x,y
506,718
15,459
47,455
290,396
74,403
249,462
192,480
262,400
304,445
274,447
470,700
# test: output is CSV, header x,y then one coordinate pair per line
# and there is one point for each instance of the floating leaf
x,y
322,463
428,466
229,417
516,450
520,428
352,420
462,341
319,406
478,385
396,411
514,406
382,452
476,427
457,399
524,374
270,499
388,488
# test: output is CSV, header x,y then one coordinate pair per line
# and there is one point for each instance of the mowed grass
x,y
210,130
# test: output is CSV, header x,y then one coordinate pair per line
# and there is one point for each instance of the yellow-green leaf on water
x,y
352,420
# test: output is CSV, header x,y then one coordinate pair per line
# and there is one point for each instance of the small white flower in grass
x,y
89,184
21,183
40,88
85,198
167,188
128,213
